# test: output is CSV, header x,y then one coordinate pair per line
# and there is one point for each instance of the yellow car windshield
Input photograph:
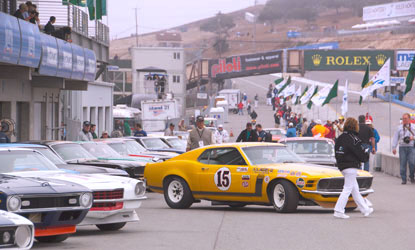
x,y
270,154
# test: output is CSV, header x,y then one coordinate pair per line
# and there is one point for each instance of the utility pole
x,y
136,28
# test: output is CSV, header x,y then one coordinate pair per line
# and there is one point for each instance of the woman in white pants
x,y
349,155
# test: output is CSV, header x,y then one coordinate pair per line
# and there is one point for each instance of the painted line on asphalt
x,y
252,83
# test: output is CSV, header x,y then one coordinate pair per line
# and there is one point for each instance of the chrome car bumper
x,y
364,192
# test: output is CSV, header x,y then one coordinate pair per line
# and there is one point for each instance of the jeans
x,y
366,164
350,187
407,156
240,112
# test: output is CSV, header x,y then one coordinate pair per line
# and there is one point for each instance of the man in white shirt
x,y
221,135
84,134
170,130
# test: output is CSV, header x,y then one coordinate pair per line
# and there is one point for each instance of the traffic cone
x,y
231,134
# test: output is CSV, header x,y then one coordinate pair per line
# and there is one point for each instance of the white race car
x,y
16,232
115,197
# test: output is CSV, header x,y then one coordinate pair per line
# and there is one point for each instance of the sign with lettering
x,y
346,60
64,59
388,11
9,39
246,65
30,44
49,60
404,59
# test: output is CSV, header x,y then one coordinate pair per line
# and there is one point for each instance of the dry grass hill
x,y
195,40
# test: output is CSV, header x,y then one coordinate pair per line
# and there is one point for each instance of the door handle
x,y
203,169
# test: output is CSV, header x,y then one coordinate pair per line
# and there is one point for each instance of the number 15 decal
x,y
223,179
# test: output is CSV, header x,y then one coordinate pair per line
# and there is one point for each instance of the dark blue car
x,y
55,207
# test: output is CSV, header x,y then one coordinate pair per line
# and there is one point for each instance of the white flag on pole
x,y
297,94
380,80
306,97
345,104
321,96
289,91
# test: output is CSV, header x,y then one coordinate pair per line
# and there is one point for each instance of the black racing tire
x,y
177,193
350,209
286,194
111,227
52,239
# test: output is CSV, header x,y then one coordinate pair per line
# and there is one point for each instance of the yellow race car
x,y
239,174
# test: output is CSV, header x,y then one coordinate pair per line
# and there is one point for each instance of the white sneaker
x,y
368,203
366,214
341,215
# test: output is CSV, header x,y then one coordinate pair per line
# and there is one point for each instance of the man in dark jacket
x,y
368,138
248,135
349,154
49,28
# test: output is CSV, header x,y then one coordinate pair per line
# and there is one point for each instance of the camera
x,y
407,139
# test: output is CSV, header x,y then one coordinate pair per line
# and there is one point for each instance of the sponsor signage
x,y
330,45
246,65
202,95
390,10
346,60
90,65
64,59
404,59
9,39
49,62
397,81
158,110
31,46
78,62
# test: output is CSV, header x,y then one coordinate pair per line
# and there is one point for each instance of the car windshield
x,y
18,161
155,143
311,147
48,153
72,151
136,147
177,143
270,154
101,150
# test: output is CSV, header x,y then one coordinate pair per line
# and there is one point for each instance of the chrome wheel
x,y
175,191
279,196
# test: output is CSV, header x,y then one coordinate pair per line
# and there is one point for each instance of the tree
x,y
221,23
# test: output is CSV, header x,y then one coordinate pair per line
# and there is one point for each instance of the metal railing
x,y
73,16
8,6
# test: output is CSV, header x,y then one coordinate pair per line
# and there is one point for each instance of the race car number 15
x,y
223,179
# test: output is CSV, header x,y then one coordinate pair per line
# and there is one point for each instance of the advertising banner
x,y
78,62
246,65
31,46
404,59
346,60
158,110
90,65
49,62
64,59
9,39
388,11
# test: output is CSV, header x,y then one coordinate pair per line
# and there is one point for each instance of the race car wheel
x,y
111,227
177,193
52,239
284,196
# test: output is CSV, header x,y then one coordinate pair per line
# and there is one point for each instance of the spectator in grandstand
x,y
49,28
63,33
22,12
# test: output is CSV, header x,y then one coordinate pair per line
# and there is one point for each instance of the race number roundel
x,y
223,179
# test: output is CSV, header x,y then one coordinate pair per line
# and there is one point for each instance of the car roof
x,y
15,149
307,139
20,145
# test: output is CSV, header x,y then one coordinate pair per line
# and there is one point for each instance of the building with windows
x,y
159,70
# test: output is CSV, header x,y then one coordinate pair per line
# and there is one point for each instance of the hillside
x,y
267,37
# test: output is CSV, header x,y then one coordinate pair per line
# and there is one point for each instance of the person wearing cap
x,y
319,130
169,130
85,134
3,137
92,131
368,138
248,134
375,133
199,136
105,135
291,131
221,135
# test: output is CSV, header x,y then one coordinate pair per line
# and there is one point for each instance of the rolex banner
x,y
346,60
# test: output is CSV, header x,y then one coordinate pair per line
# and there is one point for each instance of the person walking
x,y
349,153
253,115
240,108
221,135
170,130
199,136
84,134
277,119
248,134
291,131
367,137
139,132
404,137
256,100
248,108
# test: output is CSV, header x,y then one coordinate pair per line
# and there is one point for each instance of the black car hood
x,y
88,169
34,185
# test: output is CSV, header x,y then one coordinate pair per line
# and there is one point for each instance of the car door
x,y
224,172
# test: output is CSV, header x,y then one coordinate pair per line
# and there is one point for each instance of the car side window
x,y
204,157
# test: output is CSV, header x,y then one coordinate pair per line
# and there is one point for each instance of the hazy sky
x,y
155,15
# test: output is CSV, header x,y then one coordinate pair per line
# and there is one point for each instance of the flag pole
x,y
390,116
368,103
